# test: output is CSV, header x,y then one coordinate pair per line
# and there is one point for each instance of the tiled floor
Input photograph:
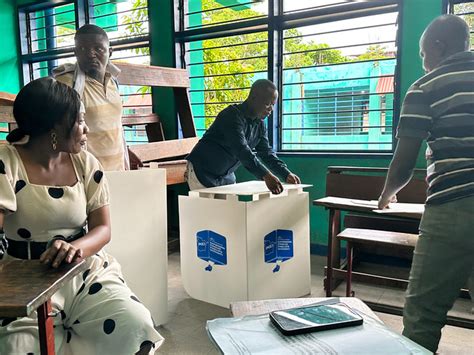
x,y
185,331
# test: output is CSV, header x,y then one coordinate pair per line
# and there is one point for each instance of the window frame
x,y
274,24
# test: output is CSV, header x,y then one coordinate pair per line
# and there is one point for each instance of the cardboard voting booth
x,y
239,242
139,235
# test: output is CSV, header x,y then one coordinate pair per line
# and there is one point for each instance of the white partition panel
x,y
139,235
239,242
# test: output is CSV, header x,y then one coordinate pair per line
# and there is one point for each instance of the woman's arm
x,y
98,236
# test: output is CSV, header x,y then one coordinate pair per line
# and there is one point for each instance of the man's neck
x,y
100,77
448,56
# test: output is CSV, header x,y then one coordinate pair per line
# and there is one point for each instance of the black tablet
x,y
314,318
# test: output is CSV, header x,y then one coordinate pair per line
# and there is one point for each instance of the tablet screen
x,y
316,316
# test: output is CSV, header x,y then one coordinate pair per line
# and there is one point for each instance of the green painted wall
x,y
9,68
9,73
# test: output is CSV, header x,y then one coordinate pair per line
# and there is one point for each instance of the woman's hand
x,y
60,251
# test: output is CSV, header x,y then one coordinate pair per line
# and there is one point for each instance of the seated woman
x,y
51,190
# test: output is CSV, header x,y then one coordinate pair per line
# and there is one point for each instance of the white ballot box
x,y
139,235
239,242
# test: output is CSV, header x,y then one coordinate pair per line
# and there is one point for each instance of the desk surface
x,y
406,210
27,284
247,188
246,308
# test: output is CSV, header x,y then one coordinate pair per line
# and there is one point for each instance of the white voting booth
x,y
246,244
139,235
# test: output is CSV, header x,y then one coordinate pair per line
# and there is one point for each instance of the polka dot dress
x,y
95,313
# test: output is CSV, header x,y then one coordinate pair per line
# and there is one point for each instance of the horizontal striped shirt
x,y
439,107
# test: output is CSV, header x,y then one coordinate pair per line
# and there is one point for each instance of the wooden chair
x,y
164,154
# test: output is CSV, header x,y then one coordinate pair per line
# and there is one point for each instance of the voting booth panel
x,y
208,277
139,235
234,250
284,270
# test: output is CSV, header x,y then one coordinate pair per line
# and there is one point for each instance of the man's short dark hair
x,y
262,85
452,30
90,30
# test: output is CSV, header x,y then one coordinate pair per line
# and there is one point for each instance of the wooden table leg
x,y
336,243
349,270
333,258
46,329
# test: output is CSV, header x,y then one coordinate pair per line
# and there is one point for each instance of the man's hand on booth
x,y
273,183
293,179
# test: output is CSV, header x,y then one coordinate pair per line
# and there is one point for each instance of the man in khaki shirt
x,y
93,77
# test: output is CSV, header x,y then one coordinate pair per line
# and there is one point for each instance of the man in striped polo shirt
x,y
93,77
439,107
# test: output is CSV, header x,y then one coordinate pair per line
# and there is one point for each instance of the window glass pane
x,y
338,85
202,13
42,69
137,100
121,19
466,12
52,28
222,71
302,5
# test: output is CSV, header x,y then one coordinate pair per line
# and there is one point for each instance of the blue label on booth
x,y
211,247
278,247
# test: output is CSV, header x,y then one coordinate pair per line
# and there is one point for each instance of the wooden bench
x,y
366,184
152,123
358,237
166,154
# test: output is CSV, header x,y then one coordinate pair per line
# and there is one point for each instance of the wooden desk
x,y
335,205
28,285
